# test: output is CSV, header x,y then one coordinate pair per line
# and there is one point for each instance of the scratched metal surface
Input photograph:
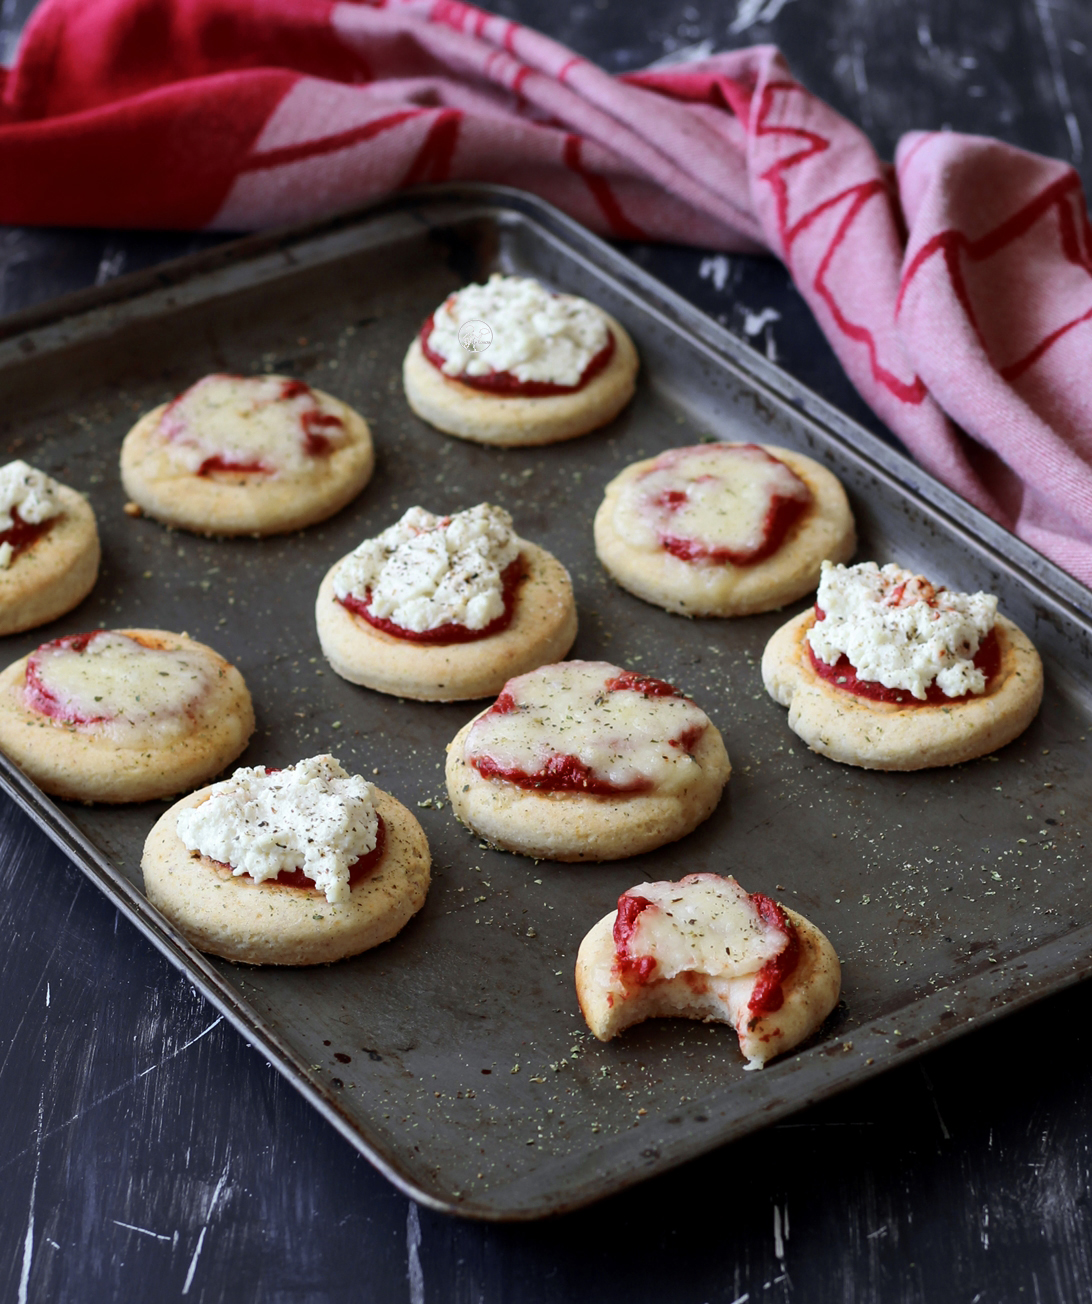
x,y
455,1056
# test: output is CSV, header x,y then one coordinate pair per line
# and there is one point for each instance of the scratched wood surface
x,y
147,1153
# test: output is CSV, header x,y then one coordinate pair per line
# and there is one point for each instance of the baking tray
x,y
455,1057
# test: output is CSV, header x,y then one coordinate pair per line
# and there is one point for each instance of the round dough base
x,y
810,992
485,418
269,923
79,765
238,502
56,572
580,826
542,630
825,532
885,736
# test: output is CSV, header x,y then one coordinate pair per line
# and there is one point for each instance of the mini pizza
x,y
247,455
445,608
49,548
703,948
723,529
891,672
123,715
549,366
304,865
585,761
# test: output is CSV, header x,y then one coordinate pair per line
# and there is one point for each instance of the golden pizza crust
x,y
240,502
885,736
824,531
56,572
269,923
80,763
485,418
578,826
543,629
810,993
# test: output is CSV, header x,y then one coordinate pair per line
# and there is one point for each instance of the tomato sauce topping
x,y
21,534
507,384
38,697
768,996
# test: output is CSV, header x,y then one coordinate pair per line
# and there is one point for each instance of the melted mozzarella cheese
x,y
118,686
313,816
427,571
245,420
536,335
898,630
717,496
703,924
623,737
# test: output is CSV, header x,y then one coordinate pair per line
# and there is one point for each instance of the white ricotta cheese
x,y
715,496
427,571
536,335
32,494
133,693
898,630
244,420
623,737
313,816
703,924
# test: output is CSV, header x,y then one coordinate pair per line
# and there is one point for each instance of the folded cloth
x,y
956,287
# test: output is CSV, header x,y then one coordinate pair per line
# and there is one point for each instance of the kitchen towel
x,y
955,286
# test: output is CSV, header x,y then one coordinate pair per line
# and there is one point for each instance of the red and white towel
x,y
956,287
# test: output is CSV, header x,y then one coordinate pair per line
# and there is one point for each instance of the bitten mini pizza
x,y
445,608
703,948
722,529
247,455
303,865
49,548
553,367
123,715
891,672
585,761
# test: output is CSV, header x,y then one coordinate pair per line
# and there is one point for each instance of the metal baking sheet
x,y
455,1057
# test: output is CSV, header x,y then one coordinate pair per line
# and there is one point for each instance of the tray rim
x,y
1059,963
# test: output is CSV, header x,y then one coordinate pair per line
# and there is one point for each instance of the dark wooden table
x,y
147,1153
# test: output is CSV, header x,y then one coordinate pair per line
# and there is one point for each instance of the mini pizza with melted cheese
x,y
704,948
722,529
582,760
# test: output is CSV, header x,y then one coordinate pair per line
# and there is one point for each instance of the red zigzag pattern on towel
x,y
857,196
954,244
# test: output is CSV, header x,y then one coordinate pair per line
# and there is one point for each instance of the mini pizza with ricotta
x,y
704,948
302,865
584,761
891,672
722,529
123,715
553,366
445,608
247,455
49,548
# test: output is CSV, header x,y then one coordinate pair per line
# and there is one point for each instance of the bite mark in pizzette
x,y
889,671
703,948
585,761
722,529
